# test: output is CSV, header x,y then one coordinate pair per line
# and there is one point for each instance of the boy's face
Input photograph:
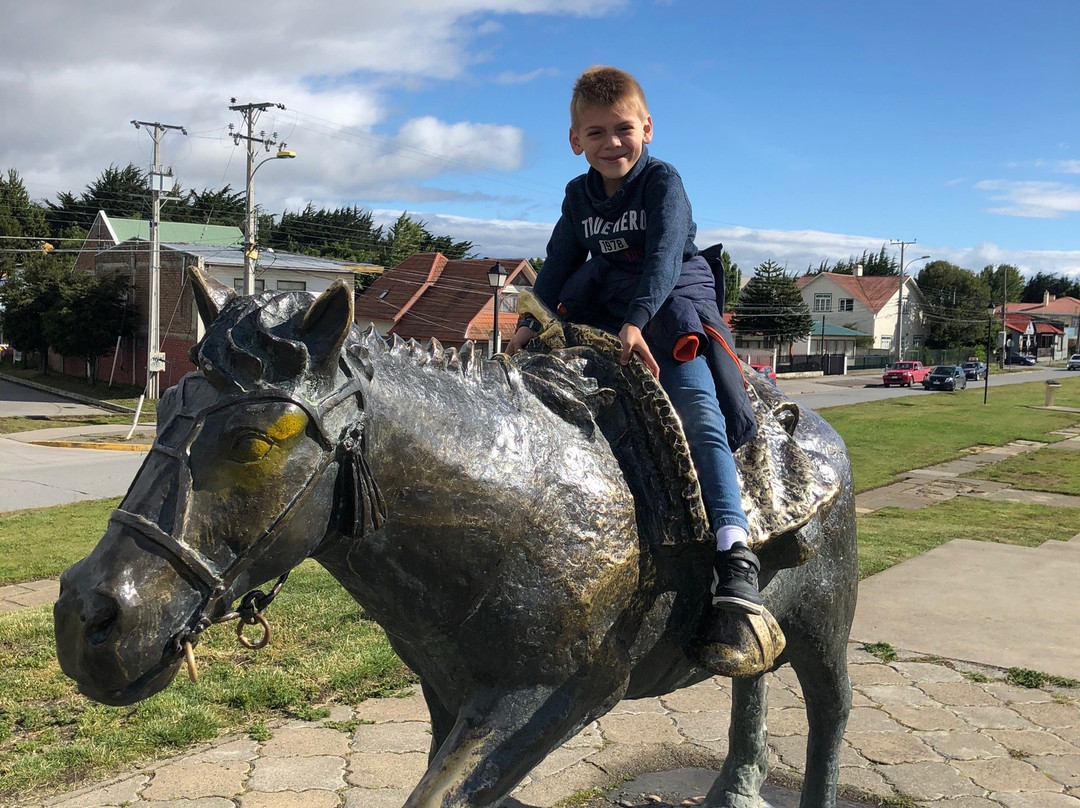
x,y
611,139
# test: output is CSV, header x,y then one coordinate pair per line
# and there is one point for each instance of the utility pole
x,y
900,301
250,113
155,358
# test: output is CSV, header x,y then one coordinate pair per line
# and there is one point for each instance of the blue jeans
x,y
692,391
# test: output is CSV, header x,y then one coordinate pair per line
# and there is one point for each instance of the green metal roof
x,y
836,331
178,232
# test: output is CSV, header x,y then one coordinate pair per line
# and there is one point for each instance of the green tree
x,y
732,280
407,237
22,223
955,305
771,306
25,299
88,316
1003,277
1043,282
120,192
222,207
880,263
347,234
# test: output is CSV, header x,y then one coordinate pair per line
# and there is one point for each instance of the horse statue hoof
x,y
738,644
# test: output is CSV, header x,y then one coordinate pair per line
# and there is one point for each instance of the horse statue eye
x,y
250,447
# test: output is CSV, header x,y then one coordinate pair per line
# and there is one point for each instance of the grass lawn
x,y
892,535
887,437
1054,470
52,739
13,424
324,651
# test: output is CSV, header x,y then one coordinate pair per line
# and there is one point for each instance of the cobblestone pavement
x,y
944,734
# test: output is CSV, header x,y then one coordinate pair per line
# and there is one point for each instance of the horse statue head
x,y
256,460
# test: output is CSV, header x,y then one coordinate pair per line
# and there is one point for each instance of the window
x,y
886,342
845,304
238,285
292,286
822,302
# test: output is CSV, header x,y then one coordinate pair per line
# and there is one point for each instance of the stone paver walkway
x,y
945,735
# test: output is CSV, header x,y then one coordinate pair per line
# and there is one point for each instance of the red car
x,y
766,371
904,374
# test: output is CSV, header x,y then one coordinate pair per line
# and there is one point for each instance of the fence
x,y
828,364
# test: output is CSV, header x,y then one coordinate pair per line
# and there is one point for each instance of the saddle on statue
x,y
574,369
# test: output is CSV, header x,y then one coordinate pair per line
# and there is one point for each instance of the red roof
x,y
429,295
873,291
1043,327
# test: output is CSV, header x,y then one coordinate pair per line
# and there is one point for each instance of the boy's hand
x,y
520,340
634,343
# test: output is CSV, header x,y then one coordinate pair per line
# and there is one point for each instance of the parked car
x,y
974,369
1019,359
766,371
946,377
904,374
1074,362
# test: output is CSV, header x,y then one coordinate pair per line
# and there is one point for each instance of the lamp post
x,y
250,253
900,301
989,331
497,277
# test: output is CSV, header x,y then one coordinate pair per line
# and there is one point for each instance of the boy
x,y
646,282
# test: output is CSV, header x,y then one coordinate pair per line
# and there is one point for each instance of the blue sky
x,y
803,131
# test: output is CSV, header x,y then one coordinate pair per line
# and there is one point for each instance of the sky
x,y
804,132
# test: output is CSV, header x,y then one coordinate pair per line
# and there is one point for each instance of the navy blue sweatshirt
x,y
644,233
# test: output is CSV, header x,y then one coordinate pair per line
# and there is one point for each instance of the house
x,y
107,232
865,304
217,253
1056,324
429,295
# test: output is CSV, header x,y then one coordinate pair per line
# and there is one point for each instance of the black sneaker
x,y
735,584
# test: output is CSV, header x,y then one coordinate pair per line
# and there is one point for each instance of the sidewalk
x,y
945,735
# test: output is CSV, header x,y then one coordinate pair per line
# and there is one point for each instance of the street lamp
x,y
900,303
989,331
497,277
250,253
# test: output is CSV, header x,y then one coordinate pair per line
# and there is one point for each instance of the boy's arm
x,y
668,230
564,254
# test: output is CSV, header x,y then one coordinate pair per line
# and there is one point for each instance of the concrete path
x,y
943,734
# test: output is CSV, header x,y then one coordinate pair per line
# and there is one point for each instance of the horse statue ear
x,y
328,322
211,295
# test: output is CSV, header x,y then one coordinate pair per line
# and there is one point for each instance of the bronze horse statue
x,y
528,569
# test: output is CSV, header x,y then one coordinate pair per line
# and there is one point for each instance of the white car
x,y
1074,362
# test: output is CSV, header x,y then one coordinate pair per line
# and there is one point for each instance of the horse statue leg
x,y
500,735
747,762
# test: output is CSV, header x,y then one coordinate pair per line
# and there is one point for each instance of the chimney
x,y
858,270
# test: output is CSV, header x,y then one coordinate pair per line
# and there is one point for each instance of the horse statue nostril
x,y
100,619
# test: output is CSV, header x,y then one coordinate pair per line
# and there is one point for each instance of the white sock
x,y
729,535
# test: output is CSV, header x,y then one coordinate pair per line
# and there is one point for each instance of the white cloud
x,y
509,77
67,103
1034,199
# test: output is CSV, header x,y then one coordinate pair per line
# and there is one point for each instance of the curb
x,y
78,444
92,402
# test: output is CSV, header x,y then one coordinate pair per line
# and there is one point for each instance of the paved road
x,y
26,402
39,476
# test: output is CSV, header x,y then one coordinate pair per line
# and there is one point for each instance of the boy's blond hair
x,y
602,86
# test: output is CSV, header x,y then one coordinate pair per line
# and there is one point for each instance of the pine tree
x,y
771,306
